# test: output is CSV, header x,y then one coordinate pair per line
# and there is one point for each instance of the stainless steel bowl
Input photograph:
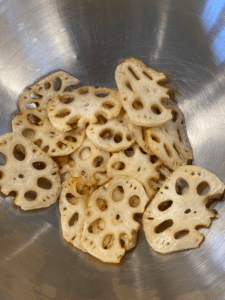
x,y
89,39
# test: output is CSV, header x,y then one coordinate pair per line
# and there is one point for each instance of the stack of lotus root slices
x,y
108,156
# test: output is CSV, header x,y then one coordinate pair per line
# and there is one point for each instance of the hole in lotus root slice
x,y
163,226
44,183
118,194
153,159
47,85
154,183
38,143
62,113
66,99
180,234
174,115
107,241
101,95
133,73
118,137
83,189
155,138
119,165
61,145
168,150
181,186
28,133
147,75
179,135
39,165
97,226
1,175
32,105
101,204
178,151
101,120
70,88
203,188
85,153
45,149
98,161
155,109
137,104
73,122
71,199
35,96
187,211
70,139
57,84
128,85
108,105
30,195
83,90
19,152
124,241
106,134
34,120
74,219
134,201
129,152
2,159
165,205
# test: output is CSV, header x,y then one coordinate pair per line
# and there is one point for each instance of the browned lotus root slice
x,y
84,106
145,168
28,172
170,142
172,219
88,162
46,89
142,94
73,203
110,227
113,135
34,124
61,160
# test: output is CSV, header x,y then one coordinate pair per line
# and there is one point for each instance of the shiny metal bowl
x,y
89,39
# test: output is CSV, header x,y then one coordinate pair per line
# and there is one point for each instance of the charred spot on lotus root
x,y
134,201
108,105
30,195
34,120
98,161
106,134
62,113
118,193
118,137
101,120
85,153
107,241
101,204
133,73
74,219
137,104
57,84
156,110
70,139
66,99
165,205
129,152
28,133
180,234
181,186
44,183
119,166
19,152
61,145
203,188
2,159
96,226
163,226
39,165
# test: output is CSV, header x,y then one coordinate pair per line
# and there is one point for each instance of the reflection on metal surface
x,y
211,12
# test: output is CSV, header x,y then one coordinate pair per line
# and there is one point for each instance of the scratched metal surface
x,y
89,39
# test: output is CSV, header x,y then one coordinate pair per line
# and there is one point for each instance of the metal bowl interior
x,y
88,39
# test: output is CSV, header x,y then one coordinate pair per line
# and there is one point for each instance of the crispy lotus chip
x,y
113,135
142,94
83,106
110,227
28,172
145,168
34,125
88,163
172,219
170,141
46,89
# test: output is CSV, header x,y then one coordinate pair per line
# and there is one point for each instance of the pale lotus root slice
x,y
142,94
109,229
170,141
34,125
73,203
88,163
28,172
46,89
145,168
172,219
83,106
113,135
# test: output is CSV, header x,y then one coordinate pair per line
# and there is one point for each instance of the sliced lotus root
x,y
170,141
113,135
172,219
46,89
142,93
61,160
84,106
35,125
87,162
73,203
145,168
28,172
110,227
